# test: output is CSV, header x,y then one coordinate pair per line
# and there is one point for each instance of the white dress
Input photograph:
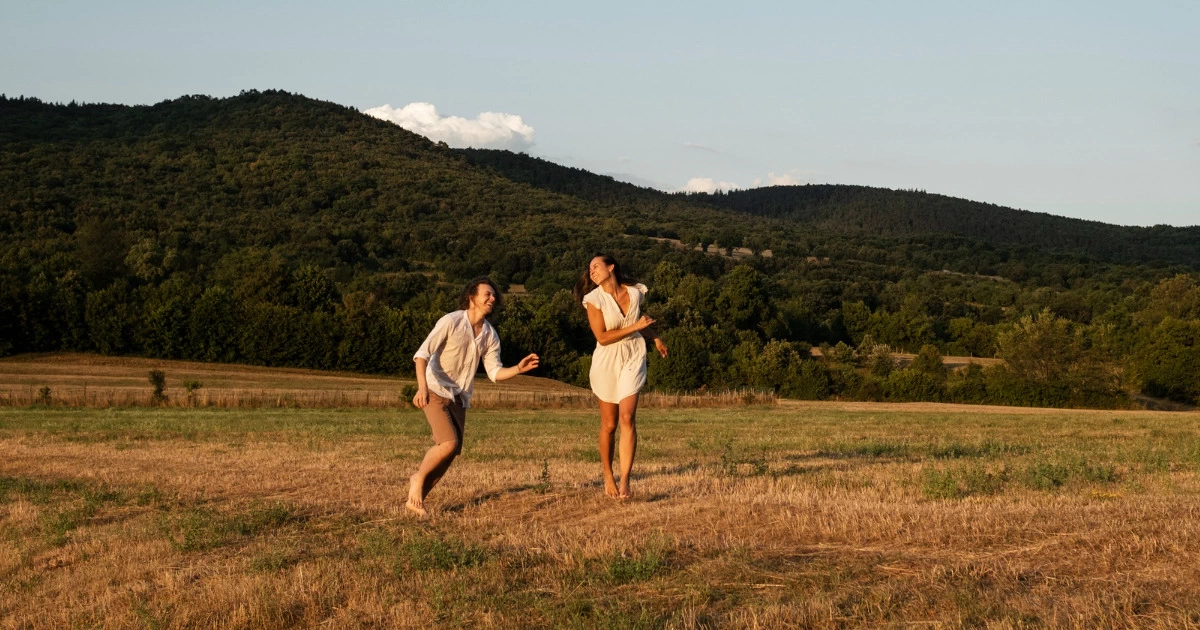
x,y
618,369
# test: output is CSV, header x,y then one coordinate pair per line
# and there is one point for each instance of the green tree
x,y
111,318
742,301
1168,360
687,365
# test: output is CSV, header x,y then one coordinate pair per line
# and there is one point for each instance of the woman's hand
x,y
643,322
660,346
528,363
422,398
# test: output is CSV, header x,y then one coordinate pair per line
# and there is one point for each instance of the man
x,y
446,363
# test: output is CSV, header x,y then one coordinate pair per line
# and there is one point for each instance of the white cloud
x,y
489,130
707,185
777,180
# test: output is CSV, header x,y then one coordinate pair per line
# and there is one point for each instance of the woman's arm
x,y
659,344
605,337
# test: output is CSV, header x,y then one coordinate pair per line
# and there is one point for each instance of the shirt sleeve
x,y
491,356
591,298
436,340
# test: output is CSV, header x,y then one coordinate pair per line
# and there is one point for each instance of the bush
x,y
910,385
967,386
190,386
158,380
811,382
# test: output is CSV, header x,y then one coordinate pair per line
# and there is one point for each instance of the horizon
x,y
1076,110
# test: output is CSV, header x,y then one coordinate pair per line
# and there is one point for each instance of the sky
x,y
1087,109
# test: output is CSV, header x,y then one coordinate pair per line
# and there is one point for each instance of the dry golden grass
x,y
794,515
84,380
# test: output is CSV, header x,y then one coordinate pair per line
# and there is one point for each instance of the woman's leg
x,y
628,421
608,427
447,435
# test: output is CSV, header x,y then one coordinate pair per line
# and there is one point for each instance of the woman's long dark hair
x,y
585,284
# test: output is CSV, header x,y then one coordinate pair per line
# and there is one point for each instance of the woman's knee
x,y
628,420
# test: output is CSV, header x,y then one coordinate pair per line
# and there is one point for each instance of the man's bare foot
x,y
415,501
416,508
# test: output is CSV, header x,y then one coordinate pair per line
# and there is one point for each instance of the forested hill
x,y
273,229
877,211
322,183
884,211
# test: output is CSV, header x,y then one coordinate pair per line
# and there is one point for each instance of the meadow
x,y
761,516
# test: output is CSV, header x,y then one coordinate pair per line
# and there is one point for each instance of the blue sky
x,y
1081,109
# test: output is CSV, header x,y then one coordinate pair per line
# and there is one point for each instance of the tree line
x,y
276,230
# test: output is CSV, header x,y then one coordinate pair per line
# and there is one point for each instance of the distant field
x,y
93,380
88,380
792,515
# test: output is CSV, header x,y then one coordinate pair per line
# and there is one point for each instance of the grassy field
x,y
791,515
89,380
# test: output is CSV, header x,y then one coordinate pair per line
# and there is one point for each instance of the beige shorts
x,y
447,418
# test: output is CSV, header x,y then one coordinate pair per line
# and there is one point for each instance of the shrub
x,y
190,386
158,380
811,382
912,385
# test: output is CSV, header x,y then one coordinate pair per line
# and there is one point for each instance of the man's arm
x,y
432,345
525,365
496,370
422,398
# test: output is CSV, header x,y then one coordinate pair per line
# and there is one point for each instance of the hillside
x,y
875,211
273,229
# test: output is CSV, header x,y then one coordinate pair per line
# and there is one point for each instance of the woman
x,y
446,363
614,304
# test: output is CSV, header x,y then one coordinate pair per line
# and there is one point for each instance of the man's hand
x,y
660,346
422,398
528,363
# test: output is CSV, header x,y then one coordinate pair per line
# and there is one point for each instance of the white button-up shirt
x,y
454,351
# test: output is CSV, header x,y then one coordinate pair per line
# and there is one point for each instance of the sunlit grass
x,y
776,516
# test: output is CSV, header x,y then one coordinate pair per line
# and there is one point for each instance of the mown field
x,y
90,380
791,515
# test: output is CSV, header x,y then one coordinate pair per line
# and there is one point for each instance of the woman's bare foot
x,y
624,493
610,488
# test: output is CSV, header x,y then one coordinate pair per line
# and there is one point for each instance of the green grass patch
x,y
421,551
965,481
202,528
866,448
36,491
430,552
